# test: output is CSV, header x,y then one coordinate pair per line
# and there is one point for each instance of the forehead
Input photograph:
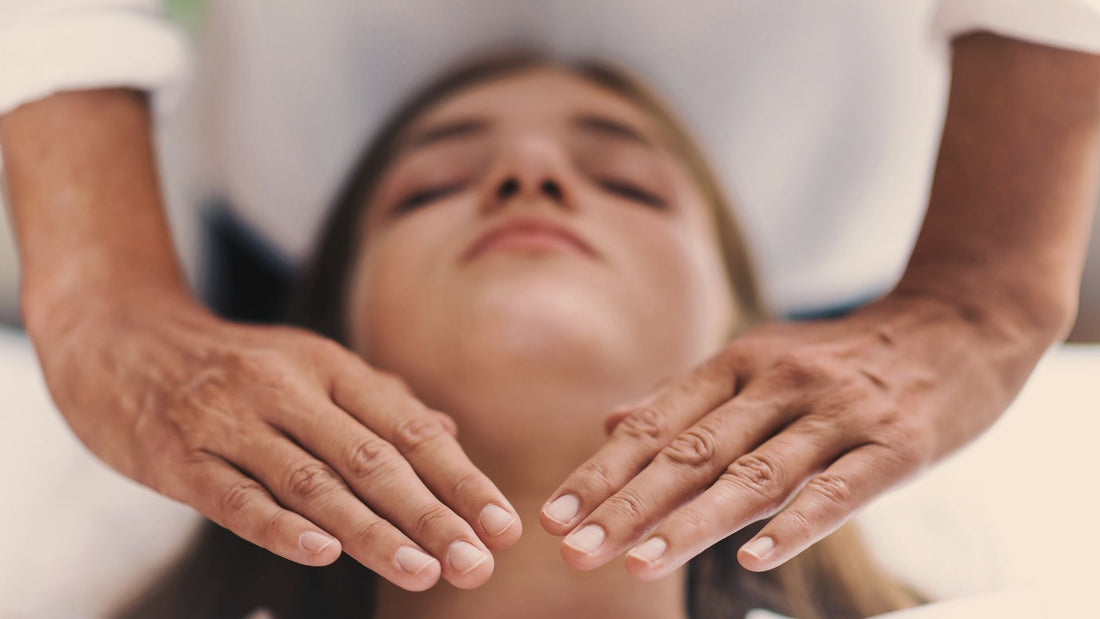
x,y
540,96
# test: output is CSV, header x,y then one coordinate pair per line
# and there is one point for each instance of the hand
x,y
804,423
281,436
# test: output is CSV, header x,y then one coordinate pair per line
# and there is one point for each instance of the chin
x,y
542,325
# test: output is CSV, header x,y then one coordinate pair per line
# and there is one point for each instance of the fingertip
x,y
319,549
758,554
475,577
553,527
505,535
558,516
579,559
424,579
641,569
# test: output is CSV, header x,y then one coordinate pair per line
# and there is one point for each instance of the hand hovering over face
x,y
806,423
279,435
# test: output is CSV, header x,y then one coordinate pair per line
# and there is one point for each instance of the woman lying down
x,y
526,245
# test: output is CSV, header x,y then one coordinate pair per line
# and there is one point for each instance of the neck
x,y
528,426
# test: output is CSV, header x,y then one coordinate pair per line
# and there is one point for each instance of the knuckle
x,y
824,425
758,473
802,368
906,443
693,448
431,518
799,524
628,504
724,368
228,367
239,495
326,348
598,474
646,423
466,483
272,524
371,531
370,458
727,362
831,488
416,431
389,384
313,480
693,519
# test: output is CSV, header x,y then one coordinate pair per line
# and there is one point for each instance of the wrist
x,y
1029,308
993,334
53,303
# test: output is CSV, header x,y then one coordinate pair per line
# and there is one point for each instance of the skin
x,y
806,423
151,382
268,431
525,347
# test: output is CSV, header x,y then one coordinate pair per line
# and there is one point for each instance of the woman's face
x,y
537,217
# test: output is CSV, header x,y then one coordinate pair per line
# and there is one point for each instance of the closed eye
x,y
633,192
426,196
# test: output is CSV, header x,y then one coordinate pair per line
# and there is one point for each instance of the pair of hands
x,y
294,444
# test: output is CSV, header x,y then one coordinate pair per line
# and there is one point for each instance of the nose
x,y
530,173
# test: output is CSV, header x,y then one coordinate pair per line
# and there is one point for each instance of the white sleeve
x,y
47,46
1071,24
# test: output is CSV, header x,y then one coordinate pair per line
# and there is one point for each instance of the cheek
x,y
392,284
677,272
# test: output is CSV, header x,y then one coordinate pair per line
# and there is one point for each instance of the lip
x,y
527,232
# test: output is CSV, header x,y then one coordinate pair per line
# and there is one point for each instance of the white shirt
x,y
822,118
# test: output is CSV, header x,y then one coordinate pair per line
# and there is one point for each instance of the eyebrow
x,y
595,123
468,127
463,127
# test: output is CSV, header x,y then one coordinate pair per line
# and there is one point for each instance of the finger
x,y
679,471
613,420
690,464
634,442
242,505
448,423
823,505
372,541
754,486
314,488
622,411
434,454
381,476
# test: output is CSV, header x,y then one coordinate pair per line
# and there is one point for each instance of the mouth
x,y
528,234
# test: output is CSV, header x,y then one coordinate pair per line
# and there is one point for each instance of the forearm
x,y
1015,185
82,185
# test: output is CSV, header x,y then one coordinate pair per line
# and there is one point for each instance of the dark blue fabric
x,y
245,278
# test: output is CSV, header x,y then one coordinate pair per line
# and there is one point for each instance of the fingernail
x,y
314,542
563,509
650,550
464,556
759,547
495,519
412,560
587,540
